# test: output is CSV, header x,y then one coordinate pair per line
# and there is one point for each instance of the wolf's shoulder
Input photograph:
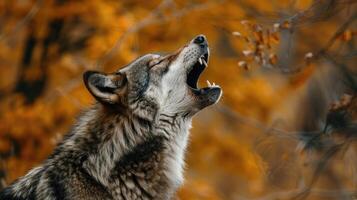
x,y
12,193
8,194
23,188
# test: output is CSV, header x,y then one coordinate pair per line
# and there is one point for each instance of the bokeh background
x,y
284,128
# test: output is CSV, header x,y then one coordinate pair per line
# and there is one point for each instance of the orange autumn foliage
x,y
45,46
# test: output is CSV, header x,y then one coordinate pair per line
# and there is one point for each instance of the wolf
x,y
131,143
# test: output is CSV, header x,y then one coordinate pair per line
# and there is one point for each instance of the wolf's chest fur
x,y
110,157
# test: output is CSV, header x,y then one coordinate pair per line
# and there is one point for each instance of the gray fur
x,y
129,145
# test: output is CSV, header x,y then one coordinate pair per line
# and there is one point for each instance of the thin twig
x,y
33,11
338,33
257,124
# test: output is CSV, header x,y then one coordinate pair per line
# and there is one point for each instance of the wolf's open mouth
x,y
207,95
196,71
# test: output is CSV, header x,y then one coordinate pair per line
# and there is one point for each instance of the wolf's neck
x,y
119,135
176,129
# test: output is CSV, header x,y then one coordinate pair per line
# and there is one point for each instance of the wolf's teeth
x,y
204,62
200,60
208,83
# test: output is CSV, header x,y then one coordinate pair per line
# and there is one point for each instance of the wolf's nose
x,y
201,39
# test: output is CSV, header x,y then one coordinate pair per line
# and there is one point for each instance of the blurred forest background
x,y
286,125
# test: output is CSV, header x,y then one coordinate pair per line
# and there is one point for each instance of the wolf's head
x,y
155,84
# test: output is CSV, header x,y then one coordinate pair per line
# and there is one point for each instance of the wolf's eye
x,y
154,62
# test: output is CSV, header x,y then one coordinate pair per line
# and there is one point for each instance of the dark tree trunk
x,y
32,89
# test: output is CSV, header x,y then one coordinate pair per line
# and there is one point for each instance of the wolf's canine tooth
x,y
200,60
204,62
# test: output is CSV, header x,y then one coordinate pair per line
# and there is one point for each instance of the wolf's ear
x,y
105,88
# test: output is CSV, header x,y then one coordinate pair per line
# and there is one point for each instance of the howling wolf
x,y
131,143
